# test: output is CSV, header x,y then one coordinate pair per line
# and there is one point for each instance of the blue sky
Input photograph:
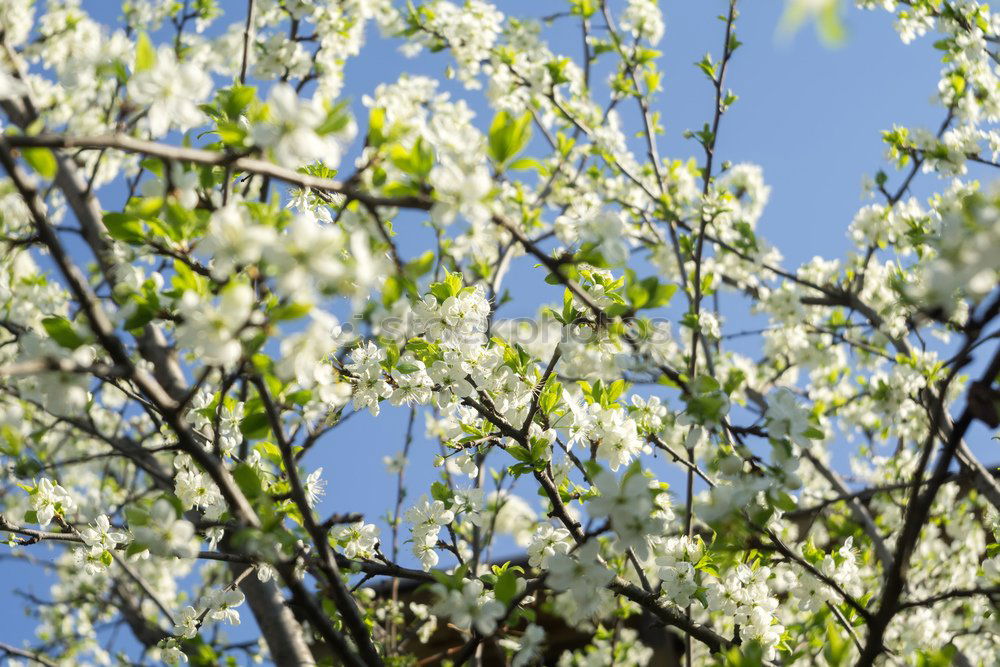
x,y
811,116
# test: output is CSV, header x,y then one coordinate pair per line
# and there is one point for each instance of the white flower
x,y
991,571
230,436
643,19
314,486
427,518
234,240
745,182
587,222
787,418
423,549
460,190
101,535
464,463
531,646
290,134
196,489
681,549
470,607
470,29
616,434
649,414
170,652
745,596
49,499
186,622
266,572
579,572
413,384
394,464
620,500
451,380
679,583
514,516
222,605
172,91
366,359
93,560
426,623
183,182
725,595
10,86
211,331
708,323
629,505
369,390
359,539
426,514
546,543
166,535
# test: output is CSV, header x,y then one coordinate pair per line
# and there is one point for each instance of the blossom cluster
x,y
219,279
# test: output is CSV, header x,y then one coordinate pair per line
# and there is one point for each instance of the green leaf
x,y
661,296
748,654
135,548
419,266
522,163
248,481
550,396
440,492
519,453
142,316
734,380
337,118
232,134
41,160
454,282
181,221
417,161
254,425
826,13
506,586
391,353
508,136
391,291
584,8
270,452
136,516
451,286
837,649
784,502
145,53
144,207
300,397
175,502
61,331
830,24
235,100
291,311
397,189
124,227
423,350
376,127
616,389
186,279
